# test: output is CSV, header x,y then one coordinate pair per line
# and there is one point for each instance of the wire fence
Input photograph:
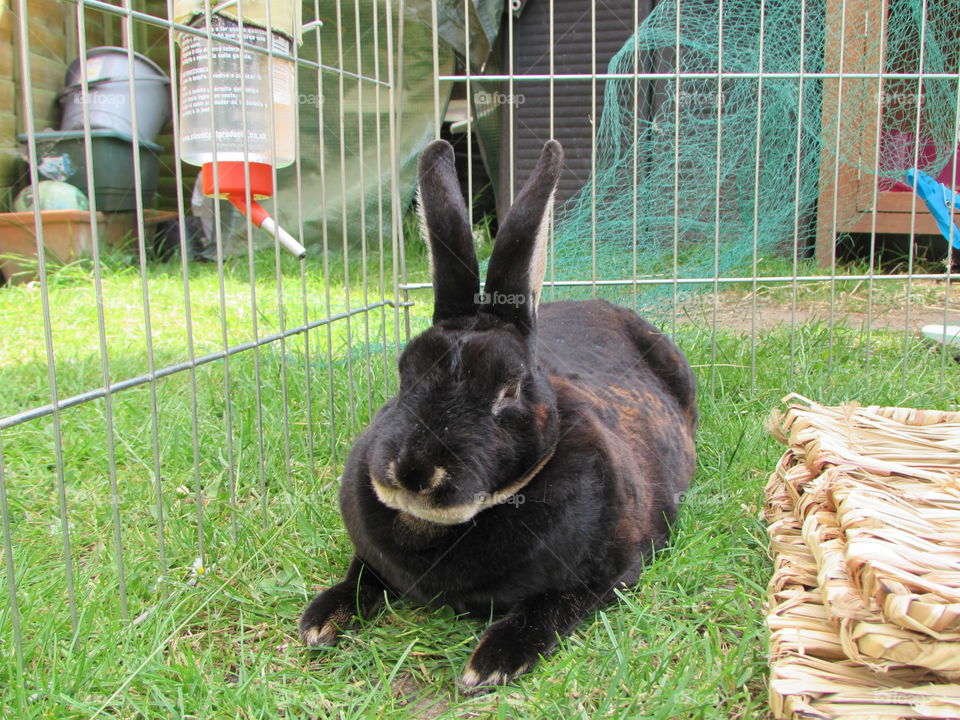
x,y
250,320
858,110
159,414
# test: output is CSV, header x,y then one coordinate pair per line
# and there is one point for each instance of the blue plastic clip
x,y
940,201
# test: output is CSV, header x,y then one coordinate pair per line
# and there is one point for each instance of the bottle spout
x,y
287,241
261,218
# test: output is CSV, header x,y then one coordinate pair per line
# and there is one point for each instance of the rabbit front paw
x,y
530,631
505,651
330,613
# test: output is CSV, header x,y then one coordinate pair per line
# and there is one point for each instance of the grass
x,y
255,500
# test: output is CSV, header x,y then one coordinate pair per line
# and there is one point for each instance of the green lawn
x,y
249,486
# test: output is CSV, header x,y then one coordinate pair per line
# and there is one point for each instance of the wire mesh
x,y
830,86
230,386
159,415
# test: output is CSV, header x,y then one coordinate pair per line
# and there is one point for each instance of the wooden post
x,y
848,119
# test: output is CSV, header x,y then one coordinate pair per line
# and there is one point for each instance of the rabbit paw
x,y
504,652
330,613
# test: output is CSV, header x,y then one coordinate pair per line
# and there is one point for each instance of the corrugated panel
x,y
572,107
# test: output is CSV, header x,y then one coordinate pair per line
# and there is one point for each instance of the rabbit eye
x,y
507,396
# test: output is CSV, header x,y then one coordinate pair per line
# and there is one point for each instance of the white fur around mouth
x,y
415,504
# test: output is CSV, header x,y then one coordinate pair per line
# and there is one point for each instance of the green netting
x,y
718,138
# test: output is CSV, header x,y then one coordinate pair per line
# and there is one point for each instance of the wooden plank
x,y
9,170
8,95
8,24
46,37
108,28
8,125
40,23
44,71
7,55
844,187
46,28
898,202
40,59
855,186
47,73
48,24
47,8
45,107
167,193
71,35
897,222
46,43
10,165
95,25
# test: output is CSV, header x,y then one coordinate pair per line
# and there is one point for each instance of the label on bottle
x,y
282,84
225,89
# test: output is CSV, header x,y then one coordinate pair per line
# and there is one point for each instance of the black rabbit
x,y
531,459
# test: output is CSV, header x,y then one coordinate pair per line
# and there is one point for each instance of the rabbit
x,y
534,455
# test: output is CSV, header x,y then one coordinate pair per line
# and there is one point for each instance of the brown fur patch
x,y
416,525
339,618
415,533
628,531
541,411
562,386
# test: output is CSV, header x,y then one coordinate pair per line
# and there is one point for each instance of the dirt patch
x,y
421,702
885,309
742,316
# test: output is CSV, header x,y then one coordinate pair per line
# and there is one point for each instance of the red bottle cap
x,y
232,179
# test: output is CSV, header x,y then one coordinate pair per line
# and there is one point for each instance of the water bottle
x,y
214,104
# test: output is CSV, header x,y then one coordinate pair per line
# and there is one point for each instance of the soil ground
x,y
882,308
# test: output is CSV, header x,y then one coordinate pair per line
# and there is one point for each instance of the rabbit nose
x,y
418,477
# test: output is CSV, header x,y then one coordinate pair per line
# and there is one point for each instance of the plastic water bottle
x,y
214,104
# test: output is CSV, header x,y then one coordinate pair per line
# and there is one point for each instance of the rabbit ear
x,y
519,258
443,218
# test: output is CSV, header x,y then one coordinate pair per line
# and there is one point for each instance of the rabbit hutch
x,y
212,264
855,200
